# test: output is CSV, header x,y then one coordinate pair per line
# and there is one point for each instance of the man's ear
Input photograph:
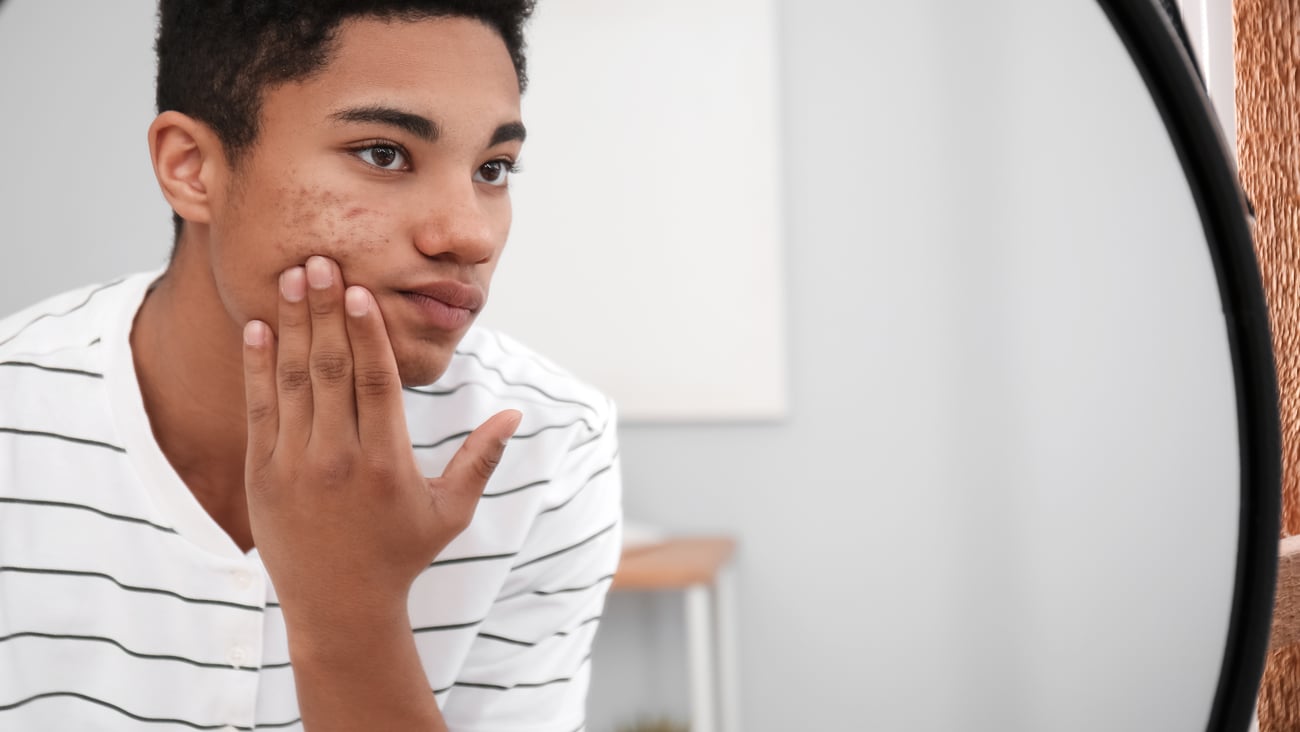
x,y
189,162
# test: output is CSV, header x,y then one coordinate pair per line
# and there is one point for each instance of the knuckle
x,y
322,305
330,366
334,468
260,411
260,478
292,316
374,381
485,465
294,378
381,470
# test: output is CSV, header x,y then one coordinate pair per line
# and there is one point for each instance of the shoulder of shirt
x,y
55,330
514,371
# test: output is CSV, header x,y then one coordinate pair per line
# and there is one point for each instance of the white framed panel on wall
x,y
646,253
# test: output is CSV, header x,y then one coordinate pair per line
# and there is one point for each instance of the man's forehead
x,y
452,46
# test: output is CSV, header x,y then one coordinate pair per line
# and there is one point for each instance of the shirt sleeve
x,y
529,667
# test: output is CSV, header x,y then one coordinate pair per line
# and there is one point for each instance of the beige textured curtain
x,y
1267,51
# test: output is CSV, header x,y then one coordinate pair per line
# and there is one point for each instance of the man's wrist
x,y
341,632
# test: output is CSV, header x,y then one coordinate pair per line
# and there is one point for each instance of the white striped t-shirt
x,y
124,606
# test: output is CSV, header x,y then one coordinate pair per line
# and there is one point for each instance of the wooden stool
x,y
699,567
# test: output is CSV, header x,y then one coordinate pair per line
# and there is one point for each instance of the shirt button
x,y
244,579
237,656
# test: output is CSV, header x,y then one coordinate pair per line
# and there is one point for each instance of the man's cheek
x,y
331,224
361,230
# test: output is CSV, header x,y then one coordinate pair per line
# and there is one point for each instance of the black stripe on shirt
x,y
439,443
66,438
511,641
429,391
124,649
581,488
89,296
480,558
53,369
569,548
505,380
524,685
540,430
273,725
119,710
508,491
438,628
557,634
566,590
129,588
92,509
595,436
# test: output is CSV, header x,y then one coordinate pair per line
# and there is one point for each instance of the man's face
x,y
391,161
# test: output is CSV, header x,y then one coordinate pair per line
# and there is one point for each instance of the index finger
x,y
380,415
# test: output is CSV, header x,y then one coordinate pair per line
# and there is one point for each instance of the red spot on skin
x,y
352,213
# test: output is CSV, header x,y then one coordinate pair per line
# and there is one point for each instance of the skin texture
x,y
271,354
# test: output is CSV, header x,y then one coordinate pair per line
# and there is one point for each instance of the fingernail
x,y
255,333
319,273
293,284
514,422
357,302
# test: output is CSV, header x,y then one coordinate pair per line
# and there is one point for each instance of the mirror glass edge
x,y
1174,85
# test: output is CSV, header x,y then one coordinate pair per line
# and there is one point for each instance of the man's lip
x,y
451,293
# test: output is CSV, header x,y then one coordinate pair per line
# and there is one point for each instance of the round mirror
x,y
1015,464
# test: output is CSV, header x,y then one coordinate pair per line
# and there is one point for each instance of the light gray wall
x,y
981,514
1004,498
78,201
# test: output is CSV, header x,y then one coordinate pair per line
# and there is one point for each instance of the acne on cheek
x,y
325,222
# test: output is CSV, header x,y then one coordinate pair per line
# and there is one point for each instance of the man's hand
x,y
340,513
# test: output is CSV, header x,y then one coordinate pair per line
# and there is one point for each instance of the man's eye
x,y
495,172
387,157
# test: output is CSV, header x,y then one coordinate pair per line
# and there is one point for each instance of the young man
x,y
214,509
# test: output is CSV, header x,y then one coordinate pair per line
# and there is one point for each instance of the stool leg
x,y
699,645
728,649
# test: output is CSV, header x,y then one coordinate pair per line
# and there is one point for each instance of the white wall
x,y
1004,498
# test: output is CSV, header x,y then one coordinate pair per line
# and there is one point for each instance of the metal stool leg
x,y
728,649
699,643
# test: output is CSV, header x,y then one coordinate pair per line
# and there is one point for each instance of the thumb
x,y
473,464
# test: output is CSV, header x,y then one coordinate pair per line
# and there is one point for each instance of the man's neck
x,y
188,360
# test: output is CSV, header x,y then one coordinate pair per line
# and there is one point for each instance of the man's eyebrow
x,y
422,127
508,132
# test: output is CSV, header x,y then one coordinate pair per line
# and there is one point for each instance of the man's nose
x,y
455,226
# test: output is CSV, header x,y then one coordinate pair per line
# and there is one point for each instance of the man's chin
x,y
422,369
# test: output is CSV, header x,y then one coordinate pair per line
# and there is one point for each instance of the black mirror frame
x,y
1173,80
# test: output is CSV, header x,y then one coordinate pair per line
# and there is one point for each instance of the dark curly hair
x,y
215,57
